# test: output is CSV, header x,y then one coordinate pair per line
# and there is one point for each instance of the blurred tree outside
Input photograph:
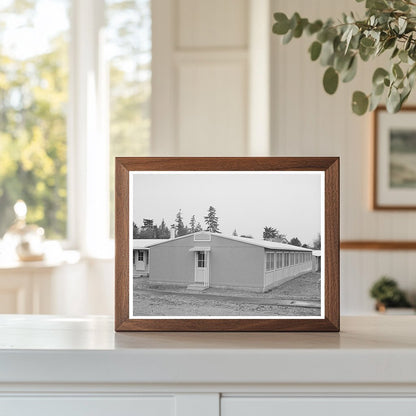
x,y
34,71
129,46
33,100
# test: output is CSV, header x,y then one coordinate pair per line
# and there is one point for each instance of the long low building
x,y
208,259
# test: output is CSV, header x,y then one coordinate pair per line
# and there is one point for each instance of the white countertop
x,y
53,349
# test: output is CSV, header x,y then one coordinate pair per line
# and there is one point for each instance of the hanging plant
x,y
389,27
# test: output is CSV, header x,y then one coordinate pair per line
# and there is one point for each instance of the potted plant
x,y
387,294
389,27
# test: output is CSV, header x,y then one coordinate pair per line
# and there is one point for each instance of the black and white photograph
x,y
226,244
402,158
394,159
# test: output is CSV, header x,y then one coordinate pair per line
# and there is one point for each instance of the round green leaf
x,y
359,103
288,37
389,43
315,50
379,75
403,55
393,101
351,71
408,42
314,27
378,90
281,27
367,42
366,53
395,52
327,54
342,61
397,71
300,25
374,102
330,80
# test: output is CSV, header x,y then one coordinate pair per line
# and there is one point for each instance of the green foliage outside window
x,y
33,99
34,103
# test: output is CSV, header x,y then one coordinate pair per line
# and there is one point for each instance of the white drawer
x,y
274,406
87,406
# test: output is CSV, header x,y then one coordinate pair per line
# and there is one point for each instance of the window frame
x,y
270,261
87,132
140,253
201,259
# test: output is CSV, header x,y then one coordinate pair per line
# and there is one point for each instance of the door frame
x,y
141,261
207,267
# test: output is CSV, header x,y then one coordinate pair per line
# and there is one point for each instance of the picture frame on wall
x,y
227,244
394,152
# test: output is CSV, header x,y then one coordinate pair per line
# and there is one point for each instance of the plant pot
x,y
382,309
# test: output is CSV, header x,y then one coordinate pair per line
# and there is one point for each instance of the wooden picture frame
x,y
391,177
327,167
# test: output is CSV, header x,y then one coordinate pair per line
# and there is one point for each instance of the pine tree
x,y
295,242
192,224
211,220
198,228
135,230
269,233
235,233
180,227
317,242
148,229
163,230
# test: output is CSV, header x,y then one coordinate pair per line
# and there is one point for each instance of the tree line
x,y
273,234
151,230
211,223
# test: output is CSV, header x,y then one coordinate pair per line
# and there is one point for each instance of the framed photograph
x,y
394,159
227,244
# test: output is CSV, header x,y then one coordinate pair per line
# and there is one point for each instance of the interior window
x,y
129,57
33,107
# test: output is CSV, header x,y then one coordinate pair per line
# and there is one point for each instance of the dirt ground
x,y
298,297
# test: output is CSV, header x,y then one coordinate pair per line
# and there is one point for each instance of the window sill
x,y
65,257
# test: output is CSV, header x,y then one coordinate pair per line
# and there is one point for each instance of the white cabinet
x,y
271,406
88,406
38,287
53,365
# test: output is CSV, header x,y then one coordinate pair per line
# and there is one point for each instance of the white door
x,y
140,260
201,267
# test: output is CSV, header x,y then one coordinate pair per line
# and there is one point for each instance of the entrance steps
x,y
197,287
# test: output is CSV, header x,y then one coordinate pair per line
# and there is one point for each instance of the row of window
x,y
276,261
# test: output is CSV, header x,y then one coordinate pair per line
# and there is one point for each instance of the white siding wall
x,y
273,278
308,122
210,58
200,75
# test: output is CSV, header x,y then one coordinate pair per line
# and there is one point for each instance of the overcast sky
x,y
247,202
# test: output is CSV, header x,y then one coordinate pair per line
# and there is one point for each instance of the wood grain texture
x,y
376,204
378,245
121,244
330,165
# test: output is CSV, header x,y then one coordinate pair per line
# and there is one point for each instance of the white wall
x,y
308,122
211,70
201,82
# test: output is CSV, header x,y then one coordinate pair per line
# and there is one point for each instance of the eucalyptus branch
x,y
388,25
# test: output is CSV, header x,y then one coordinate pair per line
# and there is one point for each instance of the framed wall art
x,y
227,244
394,178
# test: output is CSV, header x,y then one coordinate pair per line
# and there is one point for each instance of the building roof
x,y
271,245
142,243
316,253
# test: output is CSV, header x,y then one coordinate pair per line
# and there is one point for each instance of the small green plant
x,y
387,294
389,26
